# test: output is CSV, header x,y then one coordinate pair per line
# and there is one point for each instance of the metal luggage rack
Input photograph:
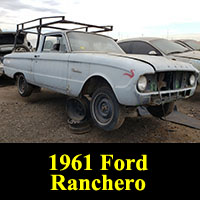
x,y
40,25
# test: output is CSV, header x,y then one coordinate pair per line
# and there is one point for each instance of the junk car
x,y
101,80
188,43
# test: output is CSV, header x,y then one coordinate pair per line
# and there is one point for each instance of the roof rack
x,y
55,20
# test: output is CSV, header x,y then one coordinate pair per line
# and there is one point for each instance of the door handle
x,y
36,56
76,70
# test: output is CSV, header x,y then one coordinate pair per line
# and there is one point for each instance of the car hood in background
x,y
189,55
160,63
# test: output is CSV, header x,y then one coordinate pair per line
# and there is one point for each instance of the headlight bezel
x,y
142,83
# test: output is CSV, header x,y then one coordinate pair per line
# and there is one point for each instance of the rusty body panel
x,y
182,119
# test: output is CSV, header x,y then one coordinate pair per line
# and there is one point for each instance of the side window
x,y
125,46
54,43
138,47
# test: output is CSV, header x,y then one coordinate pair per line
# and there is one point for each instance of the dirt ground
x,y
42,118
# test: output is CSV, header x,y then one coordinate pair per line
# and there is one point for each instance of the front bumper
x,y
158,98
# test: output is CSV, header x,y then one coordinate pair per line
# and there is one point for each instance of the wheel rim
x,y
103,109
76,109
22,85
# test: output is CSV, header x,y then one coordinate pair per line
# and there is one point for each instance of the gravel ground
x,y
42,118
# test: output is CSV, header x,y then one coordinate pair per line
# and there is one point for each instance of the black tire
x,y
161,110
80,127
24,88
105,110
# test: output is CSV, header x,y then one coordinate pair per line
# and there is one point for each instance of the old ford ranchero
x,y
98,76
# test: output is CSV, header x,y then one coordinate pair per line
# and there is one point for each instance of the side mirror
x,y
152,53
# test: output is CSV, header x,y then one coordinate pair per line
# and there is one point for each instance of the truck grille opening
x,y
164,81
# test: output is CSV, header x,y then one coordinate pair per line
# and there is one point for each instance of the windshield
x,y
91,42
10,39
168,47
192,43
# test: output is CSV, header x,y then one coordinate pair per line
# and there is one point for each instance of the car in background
x,y
161,47
191,44
7,40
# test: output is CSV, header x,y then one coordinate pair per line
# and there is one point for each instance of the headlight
x,y
142,83
192,80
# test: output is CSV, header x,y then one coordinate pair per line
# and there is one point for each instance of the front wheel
x,y
161,110
105,110
24,88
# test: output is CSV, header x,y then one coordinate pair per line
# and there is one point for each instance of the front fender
x,y
123,83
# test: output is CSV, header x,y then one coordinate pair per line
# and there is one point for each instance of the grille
x,y
164,81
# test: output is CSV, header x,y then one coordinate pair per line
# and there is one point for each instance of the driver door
x,y
50,66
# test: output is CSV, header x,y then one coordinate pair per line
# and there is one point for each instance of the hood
x,y
189,55
160,63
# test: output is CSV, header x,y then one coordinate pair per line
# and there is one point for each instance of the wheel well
x,y
17,74
92,84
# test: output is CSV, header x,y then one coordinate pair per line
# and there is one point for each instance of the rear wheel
x,y
24,88
161,110
105,110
